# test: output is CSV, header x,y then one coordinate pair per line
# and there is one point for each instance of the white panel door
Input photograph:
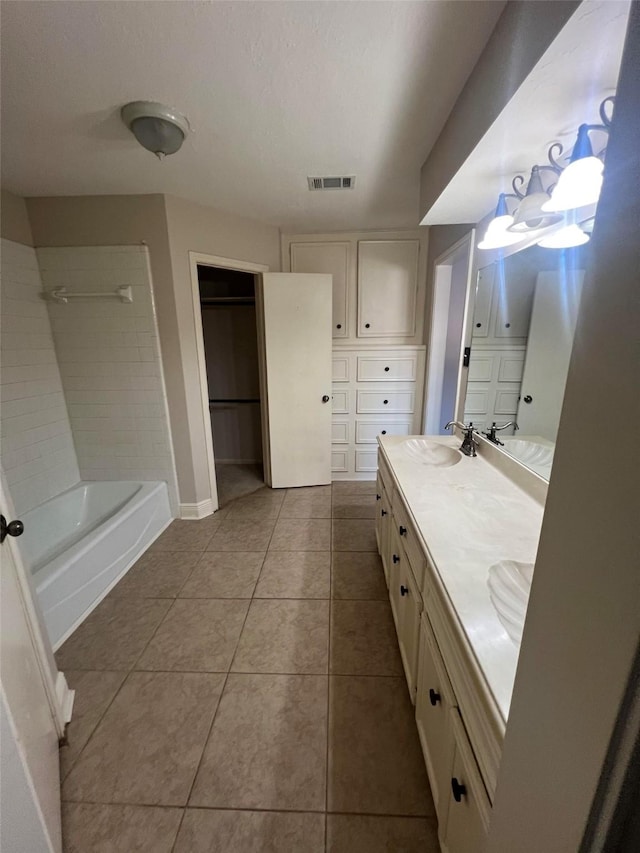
x,y
297,348
553,322
29,787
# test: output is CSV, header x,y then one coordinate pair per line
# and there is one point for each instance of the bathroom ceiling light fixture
x,y
580,182
530,215
157,128
497,236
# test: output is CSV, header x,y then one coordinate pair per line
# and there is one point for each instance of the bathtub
x,y
80,543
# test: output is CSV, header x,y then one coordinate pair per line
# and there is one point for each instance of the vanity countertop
x,y
470,516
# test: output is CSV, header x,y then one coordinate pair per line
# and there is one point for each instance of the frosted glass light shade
x,y
497,236
565,238
157,128
578,186
531,215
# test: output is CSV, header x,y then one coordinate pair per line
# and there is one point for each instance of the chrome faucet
x,y
469,444
491,432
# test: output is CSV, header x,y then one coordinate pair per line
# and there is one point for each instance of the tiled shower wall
x,y
36,446
109,359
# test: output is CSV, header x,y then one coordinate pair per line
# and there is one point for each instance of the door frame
x,y
197,259
438,326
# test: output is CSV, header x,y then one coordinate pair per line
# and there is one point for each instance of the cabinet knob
x,y
338,325
386,370
384,432
403,530
325,398
434,696
383,512
13,528
396,559
404,590
367,325
459,790
385,402
528,398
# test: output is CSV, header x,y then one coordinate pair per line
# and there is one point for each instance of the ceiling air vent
x,y
343,183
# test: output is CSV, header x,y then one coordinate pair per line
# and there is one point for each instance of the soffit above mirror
x,y
565,88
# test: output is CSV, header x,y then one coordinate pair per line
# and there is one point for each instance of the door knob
x,y
326,398
13,528
528,398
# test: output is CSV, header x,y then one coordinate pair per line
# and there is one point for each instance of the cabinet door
x,y
332,258
434,701
469,808
410,610
387,288
395,570
385,530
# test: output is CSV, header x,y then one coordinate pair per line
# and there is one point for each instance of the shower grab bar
x,y
61,294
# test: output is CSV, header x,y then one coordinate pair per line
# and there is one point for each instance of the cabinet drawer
x,y
394,368
340,402
410,542
366,460
367,432
340,432
339,460
373,402
340,368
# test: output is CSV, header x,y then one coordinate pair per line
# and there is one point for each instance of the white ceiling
x,y
275,91
578,70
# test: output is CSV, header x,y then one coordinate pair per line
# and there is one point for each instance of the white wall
x,y
36,446
110,365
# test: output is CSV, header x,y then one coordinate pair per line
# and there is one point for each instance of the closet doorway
x,y
227,299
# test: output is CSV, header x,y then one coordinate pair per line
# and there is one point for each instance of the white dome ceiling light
x,y
159,129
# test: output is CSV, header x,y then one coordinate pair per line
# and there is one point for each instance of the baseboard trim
x,y
192,512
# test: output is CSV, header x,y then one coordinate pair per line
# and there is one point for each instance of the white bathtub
x,y
80,543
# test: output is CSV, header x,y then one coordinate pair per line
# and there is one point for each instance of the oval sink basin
x,y
509,585
530,453
431,453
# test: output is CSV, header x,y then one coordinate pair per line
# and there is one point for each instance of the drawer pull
x,y
459,790
383,512
386,370
367,325
396,559
384,432
404,590
434,696
385,402
377,497
338,325
403,530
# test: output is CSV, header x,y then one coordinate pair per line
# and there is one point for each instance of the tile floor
x,y
241,690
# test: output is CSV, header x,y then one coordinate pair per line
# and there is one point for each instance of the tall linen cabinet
x,y
378,320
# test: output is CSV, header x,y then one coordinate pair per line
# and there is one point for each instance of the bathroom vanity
x,y
458,540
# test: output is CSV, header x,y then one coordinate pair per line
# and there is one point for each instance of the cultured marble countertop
x,y
470,516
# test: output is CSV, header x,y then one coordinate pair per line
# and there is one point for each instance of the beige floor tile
x,y
354,534
208,831
309,492
227,574
94,692
267,748
114,635
157,574
306,506
354,506
243,534
367,834
187,535
146,749
295,574
375,761
357,574
363,639
197,635
287,636
303,534
90,828
256,506
354,487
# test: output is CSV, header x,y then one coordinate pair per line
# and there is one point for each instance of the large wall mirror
x,y
522,335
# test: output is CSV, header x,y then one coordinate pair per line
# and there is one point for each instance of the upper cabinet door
x,y
332,258
387,288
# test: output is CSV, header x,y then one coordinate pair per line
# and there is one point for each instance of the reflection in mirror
x,y
523,326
